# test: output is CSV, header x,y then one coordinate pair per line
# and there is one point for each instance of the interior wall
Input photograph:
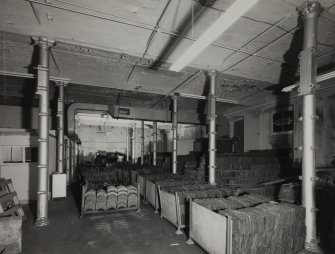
x,y
186,138
24,175
113,139
18,117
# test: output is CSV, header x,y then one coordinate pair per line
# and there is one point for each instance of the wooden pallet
x,y
9,203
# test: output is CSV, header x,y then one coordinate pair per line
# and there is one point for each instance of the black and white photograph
x,y
167,126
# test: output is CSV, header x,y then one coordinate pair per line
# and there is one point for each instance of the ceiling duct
x,y
156,115
132,113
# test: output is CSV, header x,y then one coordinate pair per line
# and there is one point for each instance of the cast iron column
x,y
174,134
60,118
127,144
68,160
142,142
211,116
310,11
154,152
43,129
133,145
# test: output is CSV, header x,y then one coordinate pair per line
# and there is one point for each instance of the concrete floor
x,y
127,232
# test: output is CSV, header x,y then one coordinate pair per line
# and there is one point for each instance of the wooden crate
x,y
209,230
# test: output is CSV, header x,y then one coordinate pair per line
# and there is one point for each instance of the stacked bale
x,y
90,199
122,197
101,200
132,196
111,197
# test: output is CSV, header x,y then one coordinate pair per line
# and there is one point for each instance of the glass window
x,y
12,154
31,154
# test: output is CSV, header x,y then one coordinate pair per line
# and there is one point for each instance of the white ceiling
x,y
253,48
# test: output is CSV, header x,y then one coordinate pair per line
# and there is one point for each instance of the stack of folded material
x,y
101,200
90,199
122,197
111,197
132,196
266,191
198,191
233,202
267,228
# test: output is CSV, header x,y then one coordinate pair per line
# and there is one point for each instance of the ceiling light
x,y
201,97
232,14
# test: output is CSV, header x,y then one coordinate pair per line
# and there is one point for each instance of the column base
x,y
41,222
189,241
312,250
179,232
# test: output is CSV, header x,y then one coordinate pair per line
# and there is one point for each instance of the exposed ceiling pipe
x,y
83,108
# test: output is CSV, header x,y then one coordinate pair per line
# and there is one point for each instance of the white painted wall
x,y
25,175
111,140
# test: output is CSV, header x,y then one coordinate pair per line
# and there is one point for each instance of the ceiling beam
x,y
151,37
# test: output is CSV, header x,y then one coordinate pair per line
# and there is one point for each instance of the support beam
x,y
154,152
310,11
142,142
211,130
174,134
43,129
60,123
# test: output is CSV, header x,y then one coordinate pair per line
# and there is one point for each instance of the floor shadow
x,y
75,190
183,28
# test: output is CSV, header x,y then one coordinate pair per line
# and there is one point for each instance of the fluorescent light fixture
x,y
232,14
320,78
201,97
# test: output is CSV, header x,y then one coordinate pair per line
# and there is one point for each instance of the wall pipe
x,y
310,11
174,134
212,132
154,154
43,129
142,142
